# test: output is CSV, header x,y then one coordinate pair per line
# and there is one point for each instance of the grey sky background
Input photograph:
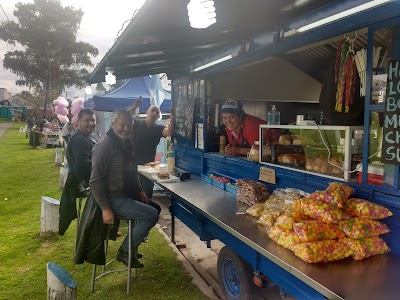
x,y
100,24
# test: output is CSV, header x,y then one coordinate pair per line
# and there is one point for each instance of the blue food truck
x,y
304,57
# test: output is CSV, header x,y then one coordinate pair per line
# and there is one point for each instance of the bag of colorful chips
x,y
337,197
359,228
284,237
287,219
309,231
365,209
367,247
348,190
320,211
322,251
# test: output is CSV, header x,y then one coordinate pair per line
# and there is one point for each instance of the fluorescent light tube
x,y
215,62
343,14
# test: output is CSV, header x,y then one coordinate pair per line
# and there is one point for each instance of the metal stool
x,y
128,269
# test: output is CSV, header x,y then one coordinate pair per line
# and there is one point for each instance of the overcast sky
x,y
100,24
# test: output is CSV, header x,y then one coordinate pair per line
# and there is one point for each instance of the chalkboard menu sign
x,y
391,125
184,111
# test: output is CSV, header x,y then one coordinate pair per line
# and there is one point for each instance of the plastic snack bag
x,y
287,219
365,209
283,237
348,190
337,197
322,251
309,231
367,247
256,210
359,228
320,211
269,216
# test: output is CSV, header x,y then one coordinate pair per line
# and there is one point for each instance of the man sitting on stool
x,y
116,187
79,157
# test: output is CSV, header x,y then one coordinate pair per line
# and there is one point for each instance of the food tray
x,y
231,188
206,178
217,183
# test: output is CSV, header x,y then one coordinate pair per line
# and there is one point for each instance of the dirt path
x,y
4,126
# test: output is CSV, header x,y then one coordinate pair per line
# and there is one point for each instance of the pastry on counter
x,y
163,175
152,164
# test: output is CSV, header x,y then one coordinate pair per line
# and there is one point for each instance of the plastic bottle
x,y
171,159
274,116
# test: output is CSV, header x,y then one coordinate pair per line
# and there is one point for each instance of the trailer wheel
x,y
236,276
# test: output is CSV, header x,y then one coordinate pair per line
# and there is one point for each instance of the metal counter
x,y
373,278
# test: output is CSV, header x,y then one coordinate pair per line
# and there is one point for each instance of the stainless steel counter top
x,y
373,278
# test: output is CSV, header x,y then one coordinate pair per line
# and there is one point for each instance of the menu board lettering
x,y
391,125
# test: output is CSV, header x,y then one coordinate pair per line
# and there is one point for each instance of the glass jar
x,y
254,152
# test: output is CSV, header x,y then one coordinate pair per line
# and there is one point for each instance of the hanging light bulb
x,y
201,13
110,77
88,90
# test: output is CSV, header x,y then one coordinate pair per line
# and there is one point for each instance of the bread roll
x,y
285,139
163,175
326,169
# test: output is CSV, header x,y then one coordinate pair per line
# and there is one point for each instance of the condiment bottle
x,y
222,143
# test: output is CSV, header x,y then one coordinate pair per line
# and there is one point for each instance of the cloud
x,y
100,24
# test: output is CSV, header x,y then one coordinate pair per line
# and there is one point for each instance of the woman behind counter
x,y
242,129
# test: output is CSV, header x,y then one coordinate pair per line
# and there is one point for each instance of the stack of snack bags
x,y
278,203
251,192
328,226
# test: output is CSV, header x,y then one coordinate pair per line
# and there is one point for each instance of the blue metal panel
x,y
189,159
289,282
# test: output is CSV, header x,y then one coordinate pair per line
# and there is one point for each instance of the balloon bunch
x,y
61,110
76,107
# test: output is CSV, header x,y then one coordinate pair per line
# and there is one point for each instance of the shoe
x,y
123,257
119,233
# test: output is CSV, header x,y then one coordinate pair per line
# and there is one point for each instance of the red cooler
x,y
375,174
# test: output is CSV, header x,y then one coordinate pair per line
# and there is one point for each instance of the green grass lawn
x,y
25,175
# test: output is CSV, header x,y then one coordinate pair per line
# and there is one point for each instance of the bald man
x,y
146,136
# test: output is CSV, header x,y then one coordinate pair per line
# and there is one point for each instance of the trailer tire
x,y
236,276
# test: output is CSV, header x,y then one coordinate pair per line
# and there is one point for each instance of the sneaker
x,y
123,257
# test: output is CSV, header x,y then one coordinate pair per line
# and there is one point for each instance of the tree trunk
x,y
60,284
49,216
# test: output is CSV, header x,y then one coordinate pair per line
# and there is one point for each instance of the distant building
x,y
4,95
19,101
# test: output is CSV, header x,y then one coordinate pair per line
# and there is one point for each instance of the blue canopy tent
x,y
126,94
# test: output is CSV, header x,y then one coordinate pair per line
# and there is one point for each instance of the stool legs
x,y
128,269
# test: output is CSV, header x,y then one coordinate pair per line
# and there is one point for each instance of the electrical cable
x,y
4,12
329,154
123,24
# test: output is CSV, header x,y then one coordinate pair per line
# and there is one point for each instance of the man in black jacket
x,y
79,157
116,187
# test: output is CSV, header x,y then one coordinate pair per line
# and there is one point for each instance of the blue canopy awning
x,y
126,94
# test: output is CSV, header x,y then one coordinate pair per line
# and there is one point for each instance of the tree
x,y
51,58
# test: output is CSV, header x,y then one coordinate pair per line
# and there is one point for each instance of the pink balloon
x,y
60,110
63,119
